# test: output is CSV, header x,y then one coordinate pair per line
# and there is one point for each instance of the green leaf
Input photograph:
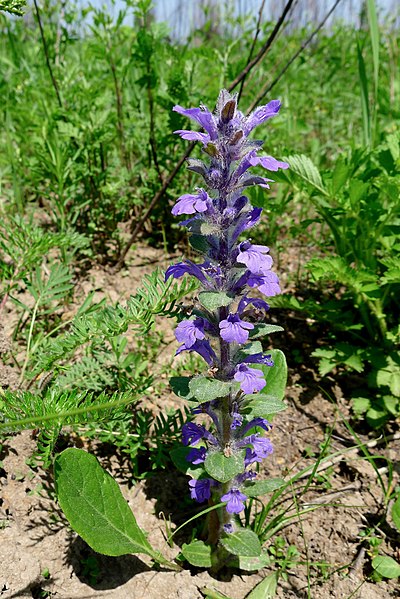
x,y
276,376
213,594
197,553
207,389
266,589
302,166
224,468
386,566
212,300
250,564
264,405
243,542
396,513
180,386
178,457
365,106
264,329
390,375
262,487
94,506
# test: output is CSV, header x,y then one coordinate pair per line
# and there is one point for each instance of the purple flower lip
x,y
235,501
262,447
251,380
192,203
233,329
202,116
255,257
190,331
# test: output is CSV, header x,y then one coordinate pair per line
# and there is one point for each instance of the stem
x,y
46,53
35,309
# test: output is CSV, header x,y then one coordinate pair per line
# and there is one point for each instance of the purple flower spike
x,y
200,489
197,455
190,331
255,257
261,422
235,501
233,329
250,379
192,203
216,217
192,433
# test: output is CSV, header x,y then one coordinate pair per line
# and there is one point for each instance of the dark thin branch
x,y
265,47
253,45
267,88
149,210
46,53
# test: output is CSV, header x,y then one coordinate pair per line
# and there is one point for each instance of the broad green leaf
x,y
199,243
207,389
178,457
276,376
180,386
262,487
197,553
264,405
264,329
224,468
243,542
302,166
212,300
266,589
250,564
254,347
396,513
94,506
376,417
386,566
360,405
390,376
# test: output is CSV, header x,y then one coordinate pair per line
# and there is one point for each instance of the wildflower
x,y
235,501
233,329
200,489
189,331
250,379
197,455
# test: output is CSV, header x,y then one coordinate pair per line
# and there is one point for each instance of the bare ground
x,y
41,557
